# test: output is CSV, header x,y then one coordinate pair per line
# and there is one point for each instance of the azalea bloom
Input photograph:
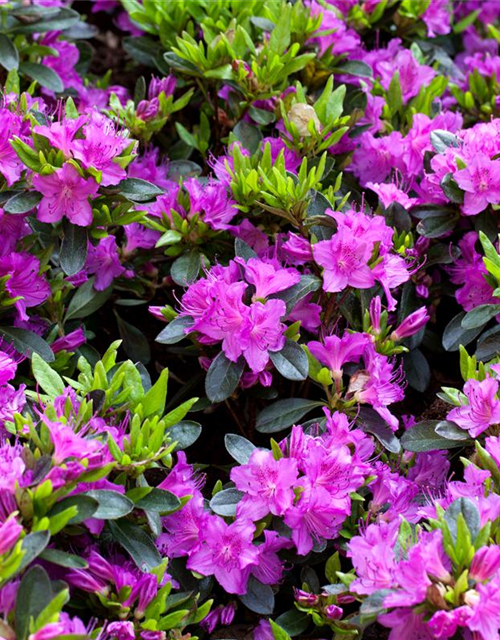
x,y
24,281
483,408
65,193
481,182
337,351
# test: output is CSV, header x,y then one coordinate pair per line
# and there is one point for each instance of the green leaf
x,y
186,268
175,330
259,597
34,594
480,316
278,632
86,506
294,622
111,504
63,559
451,431
223,377
239,447
371,422
225,502
9,56
12,84
45,76
176,415
73,248
249,136
159,501
27,343
423,437
185,433
63,19
138,190
442,140
291,361
22,202
354,68
455,335
87,300
437,226
469,19
137,543
451,189
153,402
470,513
417,370
32,546
283,414
50,381
281,35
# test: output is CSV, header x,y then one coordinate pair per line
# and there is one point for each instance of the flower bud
x,y
301,114
411,325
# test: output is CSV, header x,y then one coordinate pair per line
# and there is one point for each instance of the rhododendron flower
x,y
65,193
481,182
24,281
390,193
104,261
227,553
213,200
267,278
344,259
267,484
337,351
269,569
69,342
411,325
483,408
61,134
412,75
10,165
10,531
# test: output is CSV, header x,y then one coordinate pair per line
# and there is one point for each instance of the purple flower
x,y
213,200
11,401
344,259
227,553
444,624
267,278
482,410
65,192
481,182
486,609
337,351
485,563
69,342
61,134
411,325
121,630
161,85
412,75
267,484
263,333
10,165
10,531
24,281
103,260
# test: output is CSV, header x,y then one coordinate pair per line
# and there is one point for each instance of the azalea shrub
x,y
249,319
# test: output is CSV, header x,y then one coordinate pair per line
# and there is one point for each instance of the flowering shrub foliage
x,y
249,307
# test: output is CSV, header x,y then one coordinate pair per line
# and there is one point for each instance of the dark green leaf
x,y
175,330
22,202
259,597
33,545
242,250
34,594
63,559
185,433
354,68
417,370
294,622
371,422
284,413
223,377
142,50
451,189
455,335
480,316
137,543
9,56
441,140
73,248
86,506
186,268
55,21
111,504
45,76
159,501
178,169
249,136
291,361
469,511
225,502
451,431
138,190
437,226
423,437
27,342
239,447
261,116
86,300
488,346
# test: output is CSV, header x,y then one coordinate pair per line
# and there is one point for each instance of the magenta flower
x,y
69,342
11,401
10,531
337,351
65,193
482,410
212,201
411,324
184,529
61,134
481,182
8,367
263,333
104,261
486,610
267,484
344,259
24,281
412,75
267,278
10,165
444,624
485,563
269,569
227,553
